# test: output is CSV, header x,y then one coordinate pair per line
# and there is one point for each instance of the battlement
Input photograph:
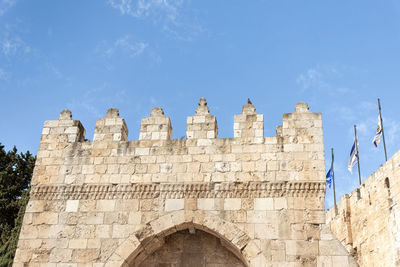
x,y
366,221
294,154
249,126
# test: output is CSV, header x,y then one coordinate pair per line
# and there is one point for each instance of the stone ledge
x,y
179,190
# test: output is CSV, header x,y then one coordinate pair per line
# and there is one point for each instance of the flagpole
x,y
357,154
383,134
333,180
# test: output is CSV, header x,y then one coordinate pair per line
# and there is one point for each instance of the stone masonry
x,y
249,200
367,219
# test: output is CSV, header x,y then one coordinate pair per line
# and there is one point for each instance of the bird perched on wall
x,y
249,101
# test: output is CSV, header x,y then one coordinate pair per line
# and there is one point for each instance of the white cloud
x,y
392,131
4,75
54,71
369,106
146,8
121,96
153,101
133,49
97,100
311,78
323,78
168,14
365,128
364,116
125,45
367,121
11,43
6,5
14,45
344,113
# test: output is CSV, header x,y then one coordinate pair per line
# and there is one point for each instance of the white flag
x,y
377,137
353,157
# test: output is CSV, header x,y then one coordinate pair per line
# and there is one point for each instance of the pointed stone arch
x,y
140,244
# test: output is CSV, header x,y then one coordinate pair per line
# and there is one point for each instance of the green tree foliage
x,y
15,176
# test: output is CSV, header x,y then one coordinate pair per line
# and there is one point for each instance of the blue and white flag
x,y
377,137
353,157
329,175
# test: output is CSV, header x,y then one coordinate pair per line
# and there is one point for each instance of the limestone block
x,y
316,216
64,129
122,231
85,255
71,205
252,249
340,260
202,125
126,249
174,204
256,216
163,225
302,247
232,204
92,218
127,205
325,261
77,243
280,203
93,243
249,125
263,204
103,231
156,127
105,205
266,231
111,127
206,203
45,218
35,206
142,151
67,265
332,247
60,255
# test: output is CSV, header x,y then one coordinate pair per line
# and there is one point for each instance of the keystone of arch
x,y
143,242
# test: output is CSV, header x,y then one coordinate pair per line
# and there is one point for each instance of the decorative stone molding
x,y
179,190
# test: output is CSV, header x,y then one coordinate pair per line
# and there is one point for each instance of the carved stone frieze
x,y
179,190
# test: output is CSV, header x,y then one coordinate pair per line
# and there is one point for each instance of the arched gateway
x,y
249,200
150,238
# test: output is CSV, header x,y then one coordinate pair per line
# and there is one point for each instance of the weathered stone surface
x,y
244,201
367,219
197,249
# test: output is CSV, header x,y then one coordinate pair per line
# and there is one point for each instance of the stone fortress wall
x,y
367,219
249,200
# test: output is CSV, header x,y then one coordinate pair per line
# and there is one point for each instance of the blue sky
x,y
88,56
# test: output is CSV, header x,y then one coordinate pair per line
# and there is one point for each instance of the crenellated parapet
x,y
295,154
111,127
156,127
249,125
298,129
366,220
63,130
202,125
